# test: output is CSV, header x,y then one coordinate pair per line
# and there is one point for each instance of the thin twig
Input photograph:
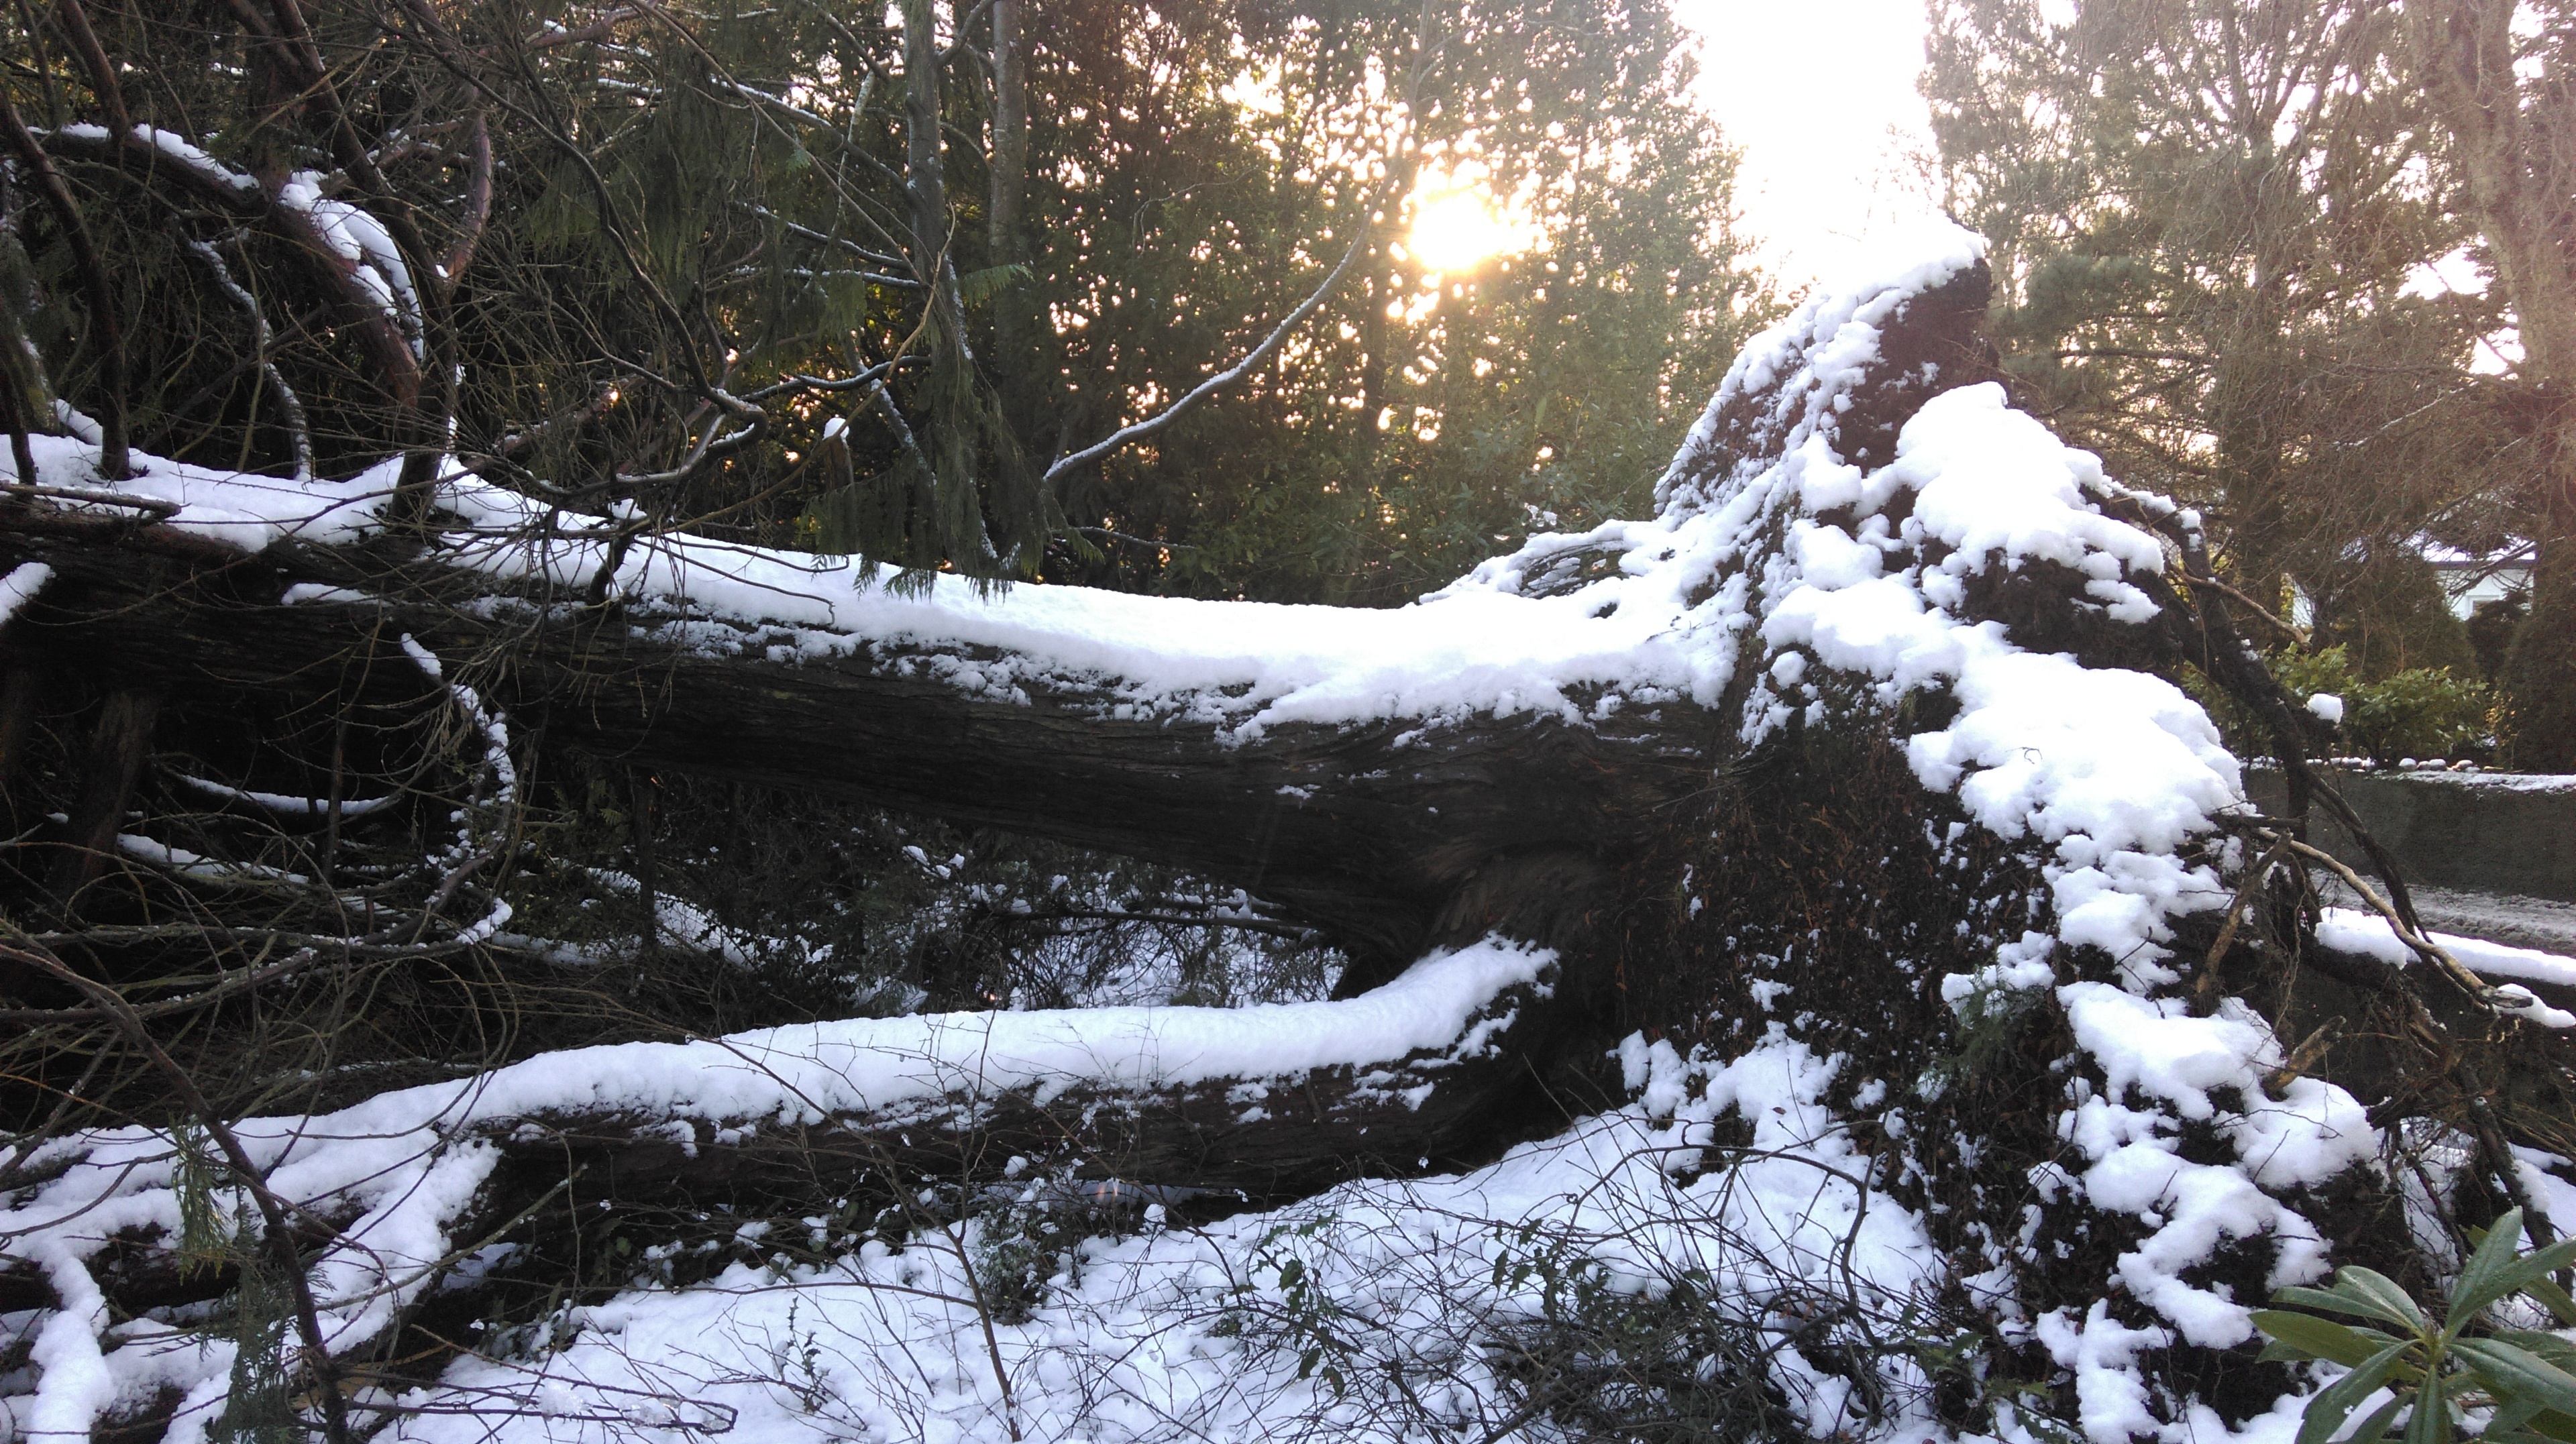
x,y
273,1210
2451,968
2260,612
1128,435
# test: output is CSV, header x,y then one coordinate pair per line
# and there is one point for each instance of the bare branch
x,y
478,204
1128,435
113,461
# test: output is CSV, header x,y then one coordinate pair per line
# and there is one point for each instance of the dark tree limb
x,y
118,747
113,460
1368,833
1287,1138
93,58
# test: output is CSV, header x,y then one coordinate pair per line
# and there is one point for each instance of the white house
x,y
2469,579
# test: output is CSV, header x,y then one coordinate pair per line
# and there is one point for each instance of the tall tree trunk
x,y
923,180
1010,166
2514,141
964,449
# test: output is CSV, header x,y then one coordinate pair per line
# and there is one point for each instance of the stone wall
x,y
2490,832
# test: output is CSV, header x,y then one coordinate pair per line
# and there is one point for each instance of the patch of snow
x,y
1170,1333
20,586
2370,935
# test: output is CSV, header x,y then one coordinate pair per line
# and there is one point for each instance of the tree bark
x,y
923,176
1304,1135
2514,142
21,688
1010,172
117,751
1367,833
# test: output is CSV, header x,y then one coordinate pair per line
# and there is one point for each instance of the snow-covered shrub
x,y
1680,1352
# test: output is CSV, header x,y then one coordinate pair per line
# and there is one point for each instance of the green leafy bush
x,y
2422,712
2434,1371
1305,1316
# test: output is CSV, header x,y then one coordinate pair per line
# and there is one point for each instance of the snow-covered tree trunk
x,y
1248,757
1837,815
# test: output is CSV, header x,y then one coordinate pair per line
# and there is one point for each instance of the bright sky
x,y
1811,91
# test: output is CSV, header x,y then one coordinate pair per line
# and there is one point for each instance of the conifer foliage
x,y
1090,289
2263,256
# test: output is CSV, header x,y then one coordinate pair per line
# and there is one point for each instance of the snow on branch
x,y
400,1176
20,587
286,805
356,253
263,341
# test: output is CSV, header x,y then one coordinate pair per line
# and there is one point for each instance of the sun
x,y
1455,227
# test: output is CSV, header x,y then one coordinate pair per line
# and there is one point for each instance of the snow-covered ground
x,y
2524,922
1379,1309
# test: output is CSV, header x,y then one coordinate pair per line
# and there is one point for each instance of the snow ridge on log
x,y
1242,668
407,1176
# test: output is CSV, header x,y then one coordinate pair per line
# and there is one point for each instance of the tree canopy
x,y
2231,235
936,263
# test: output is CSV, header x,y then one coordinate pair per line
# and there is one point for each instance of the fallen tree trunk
x,y
1370,830
806,1117
1151,728
1846,772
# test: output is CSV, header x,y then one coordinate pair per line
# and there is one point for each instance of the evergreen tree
x,y
2501,77
867,278
2213,223
1420,414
